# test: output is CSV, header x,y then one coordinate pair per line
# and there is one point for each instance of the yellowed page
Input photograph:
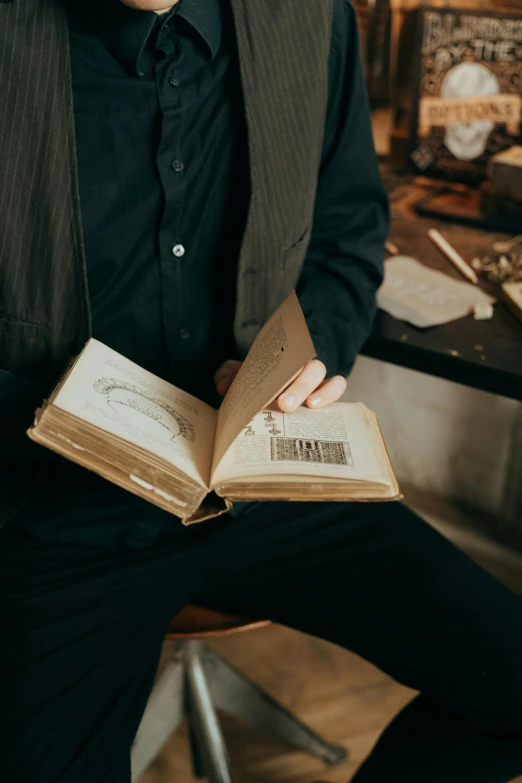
x,y
281,349
123,399
340,441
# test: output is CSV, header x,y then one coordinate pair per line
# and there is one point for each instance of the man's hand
x,y
309,388
225,375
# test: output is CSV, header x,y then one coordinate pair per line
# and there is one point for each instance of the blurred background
x,y
451,441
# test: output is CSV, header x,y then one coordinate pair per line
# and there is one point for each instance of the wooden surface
x,y
196,622
346,699
337,693
340,695
486,355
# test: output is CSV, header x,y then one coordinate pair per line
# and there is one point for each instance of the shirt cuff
x,y
324,349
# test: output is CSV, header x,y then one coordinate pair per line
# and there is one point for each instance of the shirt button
x,y
178,251
250,271
184,334
173,81
252,322
178,165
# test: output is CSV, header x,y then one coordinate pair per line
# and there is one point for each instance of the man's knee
x,y
510,693
497,704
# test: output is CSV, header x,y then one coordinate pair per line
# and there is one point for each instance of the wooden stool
x,y
196,682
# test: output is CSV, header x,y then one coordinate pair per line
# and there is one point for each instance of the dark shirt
x,y
163,182
162,154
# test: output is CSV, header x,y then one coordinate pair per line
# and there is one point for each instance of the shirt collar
x,y
125,31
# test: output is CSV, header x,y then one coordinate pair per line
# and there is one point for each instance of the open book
x,y
144,434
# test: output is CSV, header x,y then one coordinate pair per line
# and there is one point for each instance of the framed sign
x,y
467,103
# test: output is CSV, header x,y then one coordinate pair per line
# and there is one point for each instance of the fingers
x,y
303,386
328,392
309,388
225,375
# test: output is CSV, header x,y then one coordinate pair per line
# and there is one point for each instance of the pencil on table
x,y
392,249
452,255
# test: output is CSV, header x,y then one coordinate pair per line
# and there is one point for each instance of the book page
x,y
336,442
123,399
280,351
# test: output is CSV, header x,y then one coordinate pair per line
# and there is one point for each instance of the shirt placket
x,y
174,248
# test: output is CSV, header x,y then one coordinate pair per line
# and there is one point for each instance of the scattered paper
x,y
483,311
424,297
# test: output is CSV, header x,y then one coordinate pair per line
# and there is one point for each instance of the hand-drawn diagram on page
x,y
271,421
307,450
334,442
120,398
141,409
301,437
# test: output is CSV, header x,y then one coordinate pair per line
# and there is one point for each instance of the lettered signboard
x,y
468,96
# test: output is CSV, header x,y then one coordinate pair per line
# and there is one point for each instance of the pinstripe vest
x,y
44,311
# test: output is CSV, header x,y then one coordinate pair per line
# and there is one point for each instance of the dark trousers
x,y
81,630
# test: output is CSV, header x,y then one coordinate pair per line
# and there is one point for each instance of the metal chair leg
x,y
163,715
198,766
203,718
235,694
196,682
